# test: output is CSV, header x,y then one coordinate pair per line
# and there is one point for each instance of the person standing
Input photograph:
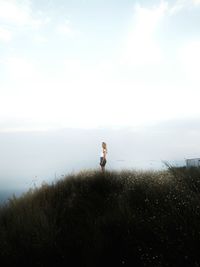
x,y
103,156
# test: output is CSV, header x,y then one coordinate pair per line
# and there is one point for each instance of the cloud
x,y
196,2
13,11
79,88
20,13
189,56
5,35
39,39
20,68
180,5
141,46
64,28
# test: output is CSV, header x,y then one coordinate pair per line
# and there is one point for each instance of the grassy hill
x,y
124,218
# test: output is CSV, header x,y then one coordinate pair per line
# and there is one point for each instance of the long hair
x,y
105,146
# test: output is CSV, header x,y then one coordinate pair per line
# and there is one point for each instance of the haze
x,y
76,73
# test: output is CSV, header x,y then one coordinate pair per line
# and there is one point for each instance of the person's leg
x,y
100,163
104,166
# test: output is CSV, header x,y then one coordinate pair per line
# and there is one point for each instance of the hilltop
x,y
118,218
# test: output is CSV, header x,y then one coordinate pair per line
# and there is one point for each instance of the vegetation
x,y
124,218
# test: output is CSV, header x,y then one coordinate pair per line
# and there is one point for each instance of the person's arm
x,y
104,154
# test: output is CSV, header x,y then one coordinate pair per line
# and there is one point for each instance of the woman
x,y
103,156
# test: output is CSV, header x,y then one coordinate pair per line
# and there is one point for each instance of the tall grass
x,y
124,218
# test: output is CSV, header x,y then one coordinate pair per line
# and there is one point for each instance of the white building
x,y
193,162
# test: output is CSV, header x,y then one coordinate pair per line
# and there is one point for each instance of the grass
x,y
123,218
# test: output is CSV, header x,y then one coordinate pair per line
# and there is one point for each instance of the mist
x,y
31,158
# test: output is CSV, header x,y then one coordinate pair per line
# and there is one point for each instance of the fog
x,y
31,158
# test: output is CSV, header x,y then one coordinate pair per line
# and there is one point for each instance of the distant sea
x,y
6,194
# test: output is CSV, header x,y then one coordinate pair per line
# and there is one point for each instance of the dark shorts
x,y
102,161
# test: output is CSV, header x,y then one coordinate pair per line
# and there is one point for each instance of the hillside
x,y
124,218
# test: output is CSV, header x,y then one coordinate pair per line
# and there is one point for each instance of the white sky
x,y
89,64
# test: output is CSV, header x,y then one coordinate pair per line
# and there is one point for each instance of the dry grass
x,y
123,218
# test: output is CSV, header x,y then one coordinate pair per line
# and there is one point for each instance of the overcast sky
x,y
93,63
74,73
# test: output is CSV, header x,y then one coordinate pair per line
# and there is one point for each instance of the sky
x,y
74,73
93,64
